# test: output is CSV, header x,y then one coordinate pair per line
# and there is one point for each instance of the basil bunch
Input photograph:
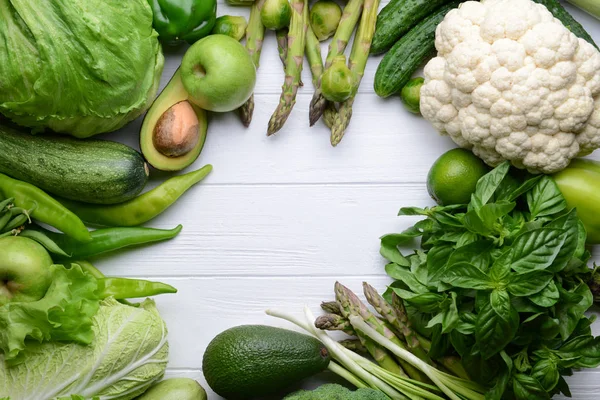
x,y
502,282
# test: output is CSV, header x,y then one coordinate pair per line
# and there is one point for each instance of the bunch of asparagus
x,y
297,39
393,323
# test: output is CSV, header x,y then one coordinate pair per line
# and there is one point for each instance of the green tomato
x,y
24,270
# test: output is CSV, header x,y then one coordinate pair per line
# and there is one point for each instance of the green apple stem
x,y
255,35
293,65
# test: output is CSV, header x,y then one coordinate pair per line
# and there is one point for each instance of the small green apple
x,y
218,73
24,270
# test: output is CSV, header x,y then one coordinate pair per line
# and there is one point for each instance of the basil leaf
x,y
487,184
462,343
439,343
500,385
528,388
424,302
437,259
418,266
521,361
405,276
500,302
586,350
467,238
447,219
467,276
547,297
473,222
413,211
500,271
476,253
524,188
545,371
450,317
571,307
490,213
523,305
529,283
493,332
563,387
545,198
466,323
389,245
570,224
537,249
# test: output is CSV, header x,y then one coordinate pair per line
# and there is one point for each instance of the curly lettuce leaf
x,y
128,355
64,314
77,66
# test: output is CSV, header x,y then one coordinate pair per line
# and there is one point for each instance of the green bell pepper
x,y
580,185
183,20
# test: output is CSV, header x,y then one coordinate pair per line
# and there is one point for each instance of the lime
x,y
453,177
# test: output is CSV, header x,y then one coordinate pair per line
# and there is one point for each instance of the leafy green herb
x,y
502,282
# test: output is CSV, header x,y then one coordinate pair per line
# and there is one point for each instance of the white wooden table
x,y
280,219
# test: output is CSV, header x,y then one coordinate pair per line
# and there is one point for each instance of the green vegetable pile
x,y
501,282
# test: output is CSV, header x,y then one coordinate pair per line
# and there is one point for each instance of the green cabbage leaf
x,y
128,354
80,67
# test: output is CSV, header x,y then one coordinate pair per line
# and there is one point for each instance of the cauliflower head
x,y
511,82
333,391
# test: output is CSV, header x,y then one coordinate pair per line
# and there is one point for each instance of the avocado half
x,y
172,94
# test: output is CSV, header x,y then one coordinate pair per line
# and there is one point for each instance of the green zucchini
x,y
567,19
92,171
399,17
407,55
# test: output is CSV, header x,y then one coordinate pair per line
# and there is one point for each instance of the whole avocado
x,y
175,389
251,361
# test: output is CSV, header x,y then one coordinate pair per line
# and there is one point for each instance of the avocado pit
x,y
176,132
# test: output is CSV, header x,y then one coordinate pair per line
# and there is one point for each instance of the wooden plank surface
x,y
281,219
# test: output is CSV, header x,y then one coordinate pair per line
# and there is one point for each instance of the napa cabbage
x,y
80,67
129,354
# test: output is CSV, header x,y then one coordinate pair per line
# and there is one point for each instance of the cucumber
x,y
92,171
567,19
399,17
407,55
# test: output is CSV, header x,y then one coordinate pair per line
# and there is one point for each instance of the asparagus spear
x,y
333,322
313,54
281,35
355,345
282,46
331,307
255,35
350,304
293,65
357,63
398,318
348,22
329,114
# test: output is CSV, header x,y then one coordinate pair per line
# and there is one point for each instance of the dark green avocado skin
x,y
250,361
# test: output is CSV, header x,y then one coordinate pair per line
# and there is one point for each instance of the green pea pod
x,y
580,185
108,239
141,209
5,203
125,288
48,210
45,241
4,219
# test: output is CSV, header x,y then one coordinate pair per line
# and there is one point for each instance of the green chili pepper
x,y
580,185
141,209
107,240
47,210
124,288
183,20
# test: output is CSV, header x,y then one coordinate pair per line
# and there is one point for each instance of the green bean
x,y
4,219
108,239
44,240
48,210
141,209
124,288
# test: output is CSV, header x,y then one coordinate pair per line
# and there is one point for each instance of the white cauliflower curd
x,y
511,82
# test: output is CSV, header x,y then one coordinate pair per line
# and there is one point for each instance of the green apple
x,y
24,270
218,73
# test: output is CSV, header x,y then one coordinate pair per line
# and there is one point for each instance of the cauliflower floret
x,y
511,82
